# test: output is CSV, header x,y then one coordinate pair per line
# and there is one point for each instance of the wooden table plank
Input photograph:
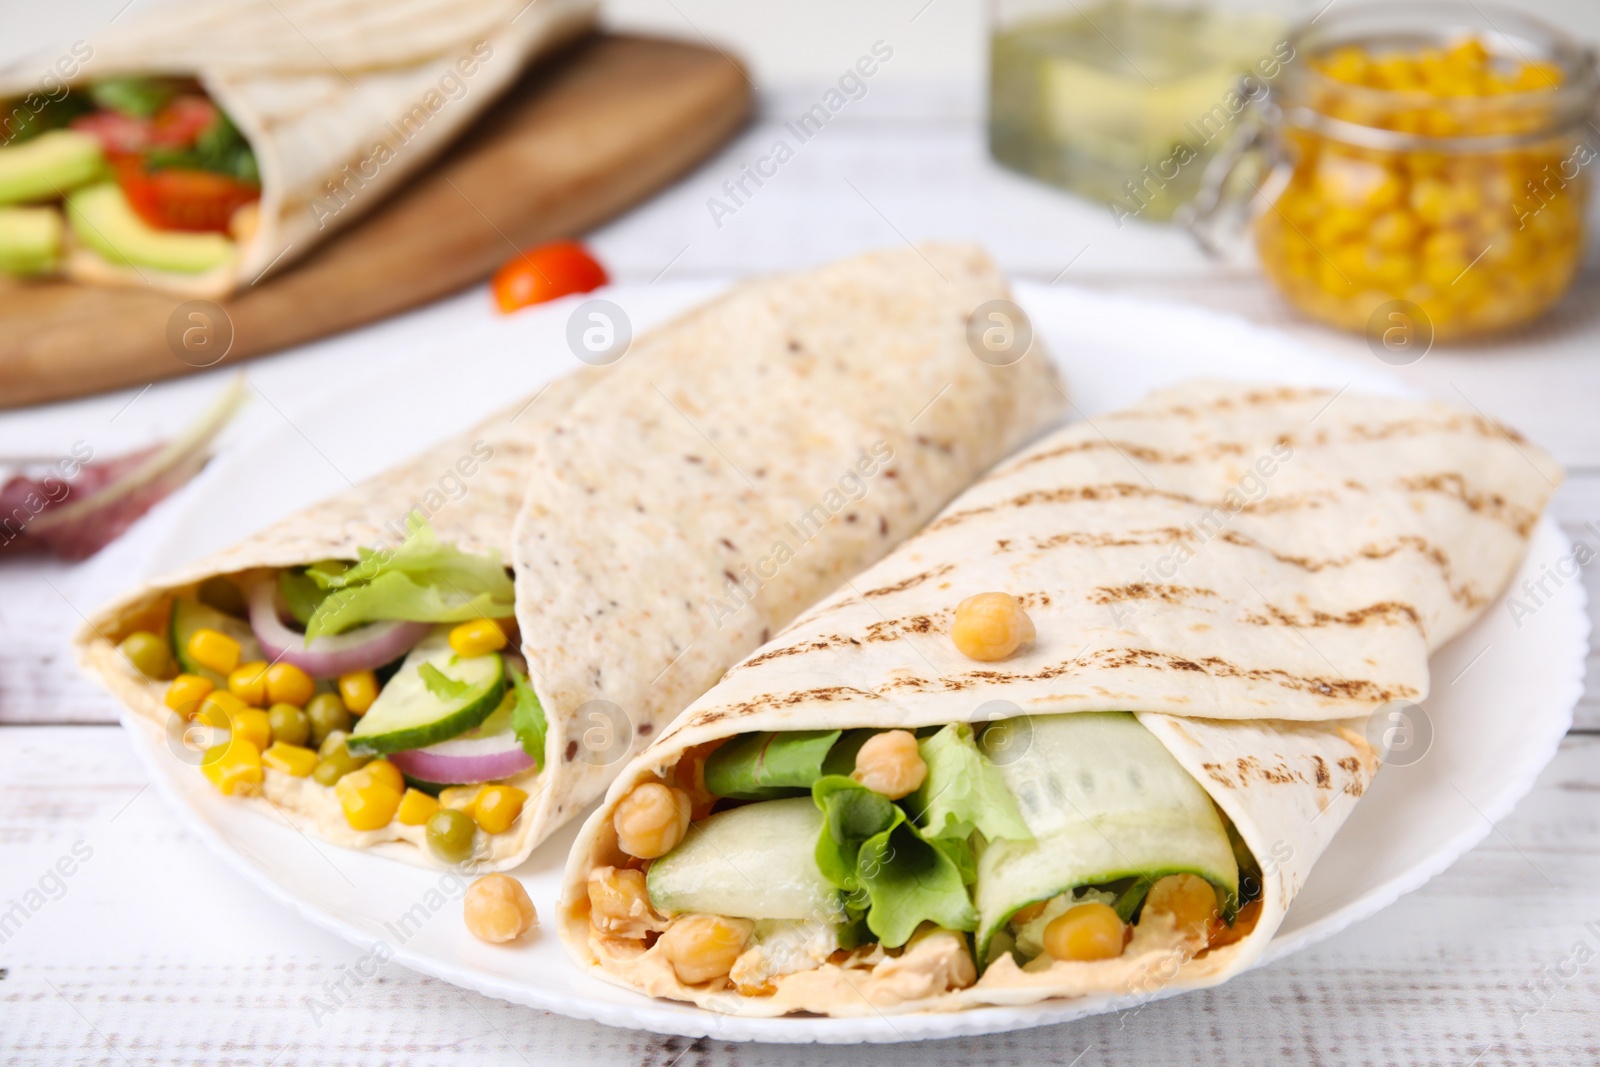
x,y
157,953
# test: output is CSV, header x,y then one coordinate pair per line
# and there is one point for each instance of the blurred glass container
x,y
1427,156
1122,101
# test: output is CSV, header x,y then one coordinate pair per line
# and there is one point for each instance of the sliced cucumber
x,y
189,616
753,862
1105,801
410,714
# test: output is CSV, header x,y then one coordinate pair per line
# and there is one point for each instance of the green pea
x,y
332,743
450,834
337,763
149,654
327,714
289,724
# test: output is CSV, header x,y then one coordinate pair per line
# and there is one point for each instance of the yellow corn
x,y
186,692
416,808
288,684
290,759
477,638
460,797
234,767
248,682
381,770
358,690
214,649
219,709
369,802
497,807
254,726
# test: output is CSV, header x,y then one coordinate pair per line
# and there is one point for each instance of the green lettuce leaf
x,y
766,766
963,792
527,718
851,815
441,684
910,880
423,580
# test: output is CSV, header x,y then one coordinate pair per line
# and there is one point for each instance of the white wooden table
x,y
151,951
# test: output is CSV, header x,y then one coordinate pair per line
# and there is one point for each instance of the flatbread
x,y
1254,570
340,101
680,507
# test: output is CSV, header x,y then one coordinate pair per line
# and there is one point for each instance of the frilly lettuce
x,y
423,580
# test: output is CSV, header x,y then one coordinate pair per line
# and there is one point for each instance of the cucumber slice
x,y
189,616
408,714
753,862
1105,801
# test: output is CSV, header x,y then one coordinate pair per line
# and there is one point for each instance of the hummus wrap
x,y
337,105
1209,593
661,518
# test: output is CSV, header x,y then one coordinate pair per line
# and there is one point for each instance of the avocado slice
x,y
30,240
48,166
102,219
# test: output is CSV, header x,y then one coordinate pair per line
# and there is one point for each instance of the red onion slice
x,y
361,649
465,760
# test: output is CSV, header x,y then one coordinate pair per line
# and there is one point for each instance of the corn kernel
x,y
288,684
219,708
290,759
248,682
497,807
215,650
358,690
416,808
477,638
234,767
381,770
368,804
186,692
253,725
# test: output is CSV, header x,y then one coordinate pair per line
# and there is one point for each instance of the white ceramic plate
x,y
1503,692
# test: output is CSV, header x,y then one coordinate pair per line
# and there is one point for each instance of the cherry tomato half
x,y
545,273
180,199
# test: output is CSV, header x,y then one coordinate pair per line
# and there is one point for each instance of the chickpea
x,y
1189,899
1086,932
703,947
889,763
497,909
619,903
991,626
651,820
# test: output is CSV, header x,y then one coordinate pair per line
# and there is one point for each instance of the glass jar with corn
x,y
1435,154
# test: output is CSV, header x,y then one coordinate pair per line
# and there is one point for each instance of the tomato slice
x,y
117,133
181,122
545,273
180,199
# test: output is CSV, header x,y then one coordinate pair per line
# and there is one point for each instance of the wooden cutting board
x,y
583,136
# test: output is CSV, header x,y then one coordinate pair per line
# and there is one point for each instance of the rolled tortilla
x,y
1251,569
340,102
677,508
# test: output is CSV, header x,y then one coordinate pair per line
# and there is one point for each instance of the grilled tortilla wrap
x,y
341,102
676,509
1250,571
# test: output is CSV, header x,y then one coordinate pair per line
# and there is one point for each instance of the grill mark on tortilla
x,y
1384,610
1164,535
1372,551
1168,594
907,583
1254,398
1493,505
1132,449
1490,505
